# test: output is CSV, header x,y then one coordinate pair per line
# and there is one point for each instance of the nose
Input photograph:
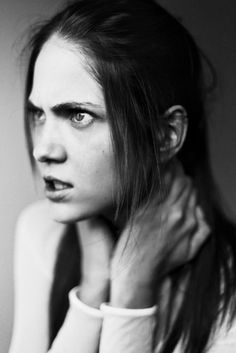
x,y
48,146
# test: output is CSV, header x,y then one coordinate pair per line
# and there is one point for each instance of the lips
x,y
56,189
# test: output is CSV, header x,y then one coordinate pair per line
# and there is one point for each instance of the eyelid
x,y
69,111
33,109
64,111
84,122
35,113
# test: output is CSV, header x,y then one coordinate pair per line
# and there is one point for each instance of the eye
x,y
36,115
81,119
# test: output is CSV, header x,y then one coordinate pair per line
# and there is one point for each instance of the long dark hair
x,y
146,61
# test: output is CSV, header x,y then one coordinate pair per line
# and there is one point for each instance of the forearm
x,y
131,295
93,294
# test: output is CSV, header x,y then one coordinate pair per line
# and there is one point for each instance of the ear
x,y
176,125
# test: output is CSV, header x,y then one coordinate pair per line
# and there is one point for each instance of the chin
x,y
70,213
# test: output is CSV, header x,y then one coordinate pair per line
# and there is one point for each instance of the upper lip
x,y
52,178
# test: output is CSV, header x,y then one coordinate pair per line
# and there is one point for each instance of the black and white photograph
x,y
118,176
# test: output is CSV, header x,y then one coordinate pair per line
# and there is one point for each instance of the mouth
x,y
56,189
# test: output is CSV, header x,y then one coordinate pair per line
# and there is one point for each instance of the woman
x,y
132,229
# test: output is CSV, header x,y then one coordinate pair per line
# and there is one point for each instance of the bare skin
x,y
71,138
162,239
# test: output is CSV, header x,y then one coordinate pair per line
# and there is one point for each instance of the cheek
x,y
94,166
91,168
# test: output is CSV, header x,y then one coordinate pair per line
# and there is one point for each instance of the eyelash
x,y
77,112
37,114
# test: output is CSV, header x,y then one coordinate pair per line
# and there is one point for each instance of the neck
x,y
116,224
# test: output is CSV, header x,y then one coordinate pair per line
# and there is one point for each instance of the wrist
x,y
131,296
94,295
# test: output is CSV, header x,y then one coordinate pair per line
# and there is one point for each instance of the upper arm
x,y
36,240
38,235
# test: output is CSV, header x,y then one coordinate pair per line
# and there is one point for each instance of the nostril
x,y
49,153
39,155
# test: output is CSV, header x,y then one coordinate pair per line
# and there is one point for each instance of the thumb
x,y
201,235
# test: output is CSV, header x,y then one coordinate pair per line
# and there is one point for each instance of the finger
x,y
171,189
180,184
201,236
188,194
189,210
182,219
200,214
179,254
180,192
184,212
184,249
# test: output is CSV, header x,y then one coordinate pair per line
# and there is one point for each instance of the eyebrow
x,y
66,107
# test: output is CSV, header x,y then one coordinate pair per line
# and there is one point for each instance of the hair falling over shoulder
x,y
146,61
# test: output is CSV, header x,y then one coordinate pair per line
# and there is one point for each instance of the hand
x,y
163,237
96,243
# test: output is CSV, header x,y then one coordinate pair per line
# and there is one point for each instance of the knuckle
x,y
204,231
191,222
177,214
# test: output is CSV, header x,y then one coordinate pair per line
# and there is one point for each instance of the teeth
x,y
56,185
59,186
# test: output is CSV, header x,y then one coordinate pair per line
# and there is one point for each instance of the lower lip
x,y
58,195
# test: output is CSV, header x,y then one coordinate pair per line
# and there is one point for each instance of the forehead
x,y
60,74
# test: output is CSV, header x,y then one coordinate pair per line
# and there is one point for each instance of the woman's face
x,y
71,134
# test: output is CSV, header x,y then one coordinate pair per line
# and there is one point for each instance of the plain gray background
x,y
212,22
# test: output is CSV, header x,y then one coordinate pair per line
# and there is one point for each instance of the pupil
x,y
79,116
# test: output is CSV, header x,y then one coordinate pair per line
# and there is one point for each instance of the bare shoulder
x,y
36,218
38,232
